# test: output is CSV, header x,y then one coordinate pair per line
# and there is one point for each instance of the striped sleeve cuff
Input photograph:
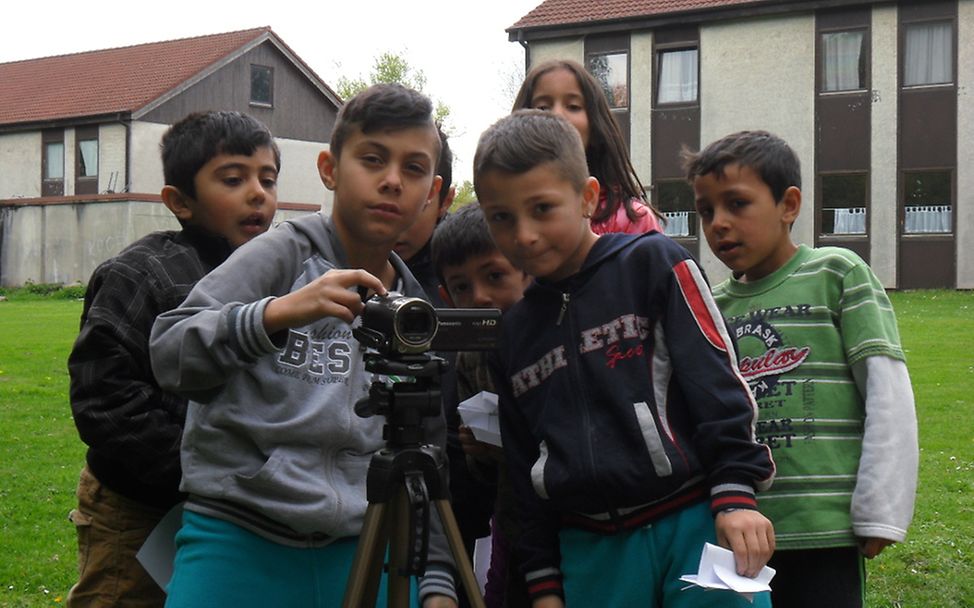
x,y
544,582
247,334
732,496
436,582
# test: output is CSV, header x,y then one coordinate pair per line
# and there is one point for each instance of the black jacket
x,y
620,399
132,427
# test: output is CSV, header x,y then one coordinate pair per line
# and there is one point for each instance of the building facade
x,y
874,96
80,171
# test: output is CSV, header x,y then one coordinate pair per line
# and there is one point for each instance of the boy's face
x,y
381,183
484,281
539,221
236,196
746,229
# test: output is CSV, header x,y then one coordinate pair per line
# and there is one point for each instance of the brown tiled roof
x,y
108,81
575,12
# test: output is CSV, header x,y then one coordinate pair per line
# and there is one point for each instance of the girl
x,y
567,89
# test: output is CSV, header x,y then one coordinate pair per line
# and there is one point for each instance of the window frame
x,y
865,59
254,69
675,47
693,219
822,207
946,20
628,84
52,186
86,184
949,173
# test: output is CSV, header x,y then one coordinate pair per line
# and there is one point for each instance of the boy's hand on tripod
x,y
439,601
330,295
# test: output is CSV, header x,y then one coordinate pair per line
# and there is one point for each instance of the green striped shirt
x,y
799,331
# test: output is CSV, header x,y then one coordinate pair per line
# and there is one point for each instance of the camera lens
x,y
416,323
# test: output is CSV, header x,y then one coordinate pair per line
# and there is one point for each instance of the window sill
x,y
258,104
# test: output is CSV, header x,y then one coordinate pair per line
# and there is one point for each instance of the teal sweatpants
x,y
221,564
642,568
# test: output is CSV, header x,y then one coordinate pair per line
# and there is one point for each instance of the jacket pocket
x,y
654,443
537,471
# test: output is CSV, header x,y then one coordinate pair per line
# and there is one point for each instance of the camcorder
x,y
397,325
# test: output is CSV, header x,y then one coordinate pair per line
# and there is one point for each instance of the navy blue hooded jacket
x,y
621,401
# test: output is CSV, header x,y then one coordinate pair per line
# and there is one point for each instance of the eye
x,y
542,208
740,203
371,159
232,180
417,169
498,217
705,213
458,288
496,276
542,106
269,182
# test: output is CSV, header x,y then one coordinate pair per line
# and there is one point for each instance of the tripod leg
x,y
398,579
465,569
363,581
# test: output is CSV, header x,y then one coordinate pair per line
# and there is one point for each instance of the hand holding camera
x,y
328,295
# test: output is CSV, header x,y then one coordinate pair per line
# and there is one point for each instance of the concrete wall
x,y
561,48
20,165
145,162
965,145
758,74
883,155
64,243
641,104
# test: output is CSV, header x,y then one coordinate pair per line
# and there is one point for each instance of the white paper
x,y
480,414
718,571
159,550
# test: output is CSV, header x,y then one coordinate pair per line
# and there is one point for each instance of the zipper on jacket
x,y
564,308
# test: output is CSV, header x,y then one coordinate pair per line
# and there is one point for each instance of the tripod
x,y
404,478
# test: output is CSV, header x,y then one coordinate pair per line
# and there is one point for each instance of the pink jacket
x,y
620,222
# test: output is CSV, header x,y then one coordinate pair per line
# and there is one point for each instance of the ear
x,y
177,202
447,202
590,196
328,168
435,189
792,205
445,296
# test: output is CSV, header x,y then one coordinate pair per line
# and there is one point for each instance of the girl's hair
x,y
606,153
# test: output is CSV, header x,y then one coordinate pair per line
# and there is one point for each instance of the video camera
x,y
396,325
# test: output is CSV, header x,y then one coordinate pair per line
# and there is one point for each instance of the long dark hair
x,y
606,153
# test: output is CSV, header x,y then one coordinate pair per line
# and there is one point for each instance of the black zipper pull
x,y
564,308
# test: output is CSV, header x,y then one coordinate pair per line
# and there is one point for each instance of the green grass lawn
x,y
40,455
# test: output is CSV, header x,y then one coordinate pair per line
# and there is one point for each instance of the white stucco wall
x,y
641,104
69,168
883,173
965,144
299,181
111,157
20,165
758,74
561,48
145,163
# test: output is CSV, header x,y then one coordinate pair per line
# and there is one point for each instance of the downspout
x,y
527,50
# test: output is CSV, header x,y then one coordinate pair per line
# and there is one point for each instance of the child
x,y
274,458
819,346
413,245
621,404
220,170
567,89
474,274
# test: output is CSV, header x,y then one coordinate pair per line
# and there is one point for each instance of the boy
x,y
220,170
474,274
274,458
620,400
413,245
820,348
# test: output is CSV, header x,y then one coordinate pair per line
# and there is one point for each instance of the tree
x,y
465,195
393,67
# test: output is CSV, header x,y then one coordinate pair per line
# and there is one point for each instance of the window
x,y
843,209
844,61
674,199
261,85
677,71
927,202
611,70
54,160
88,158
929,54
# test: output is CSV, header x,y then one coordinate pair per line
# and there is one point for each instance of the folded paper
x,y
717,570
480,414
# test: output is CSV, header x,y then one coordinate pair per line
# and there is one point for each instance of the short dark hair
x,y
199,137
765,153
526,139
445,167
460,236
380,107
